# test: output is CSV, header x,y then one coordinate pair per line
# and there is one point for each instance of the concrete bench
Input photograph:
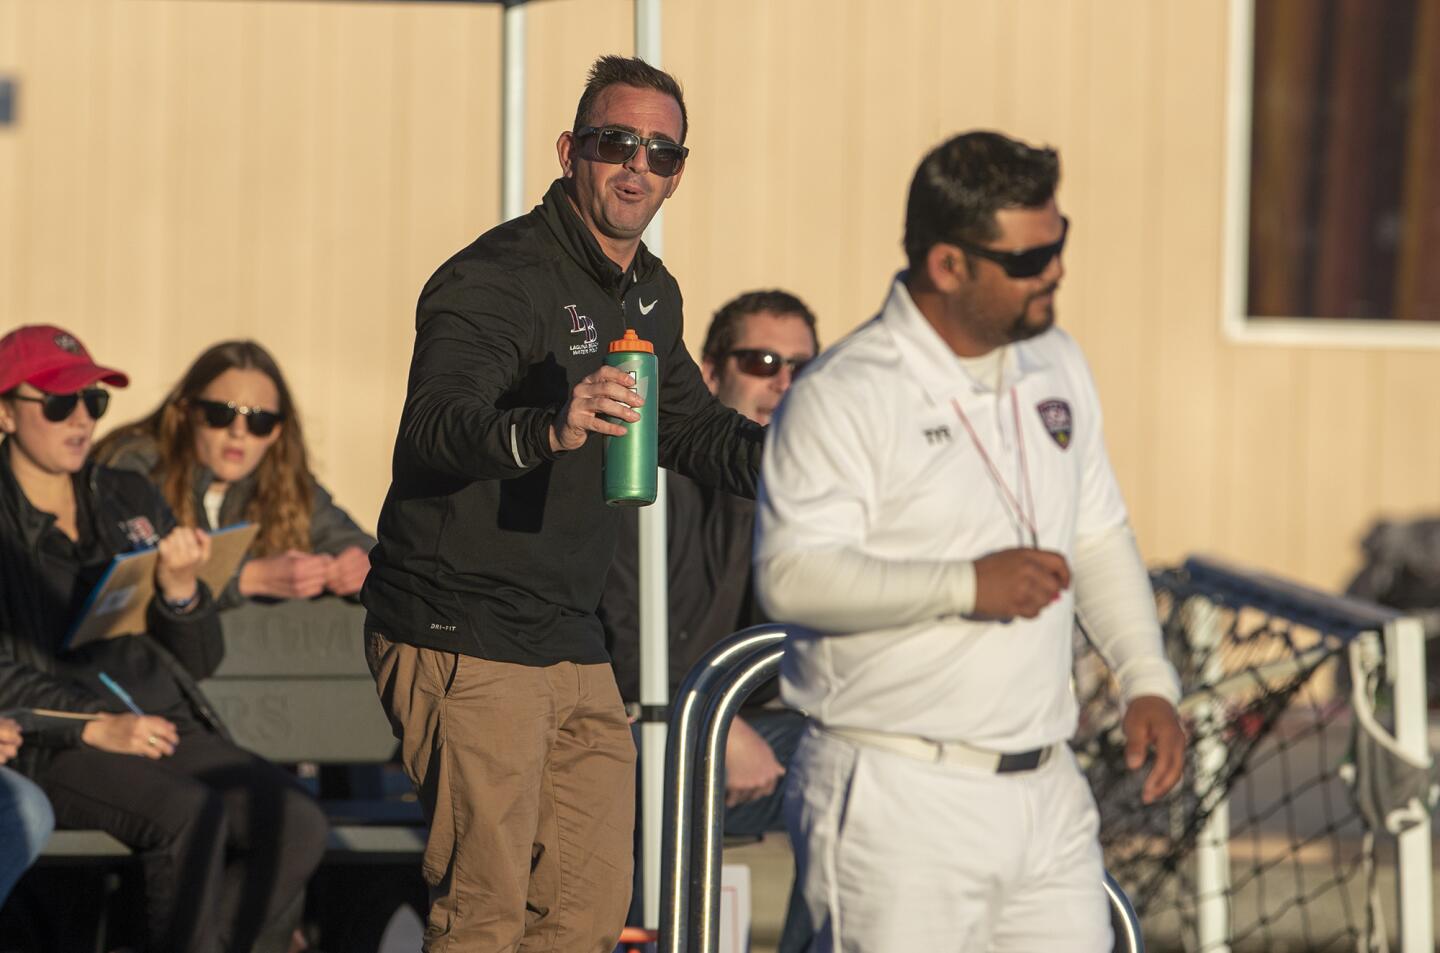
x,y
294,687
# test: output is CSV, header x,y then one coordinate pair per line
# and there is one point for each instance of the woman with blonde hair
x,y
226,446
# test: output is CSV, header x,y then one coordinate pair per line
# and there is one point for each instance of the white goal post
x,y
1292,777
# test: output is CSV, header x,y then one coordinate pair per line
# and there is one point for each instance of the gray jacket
x,y
332,531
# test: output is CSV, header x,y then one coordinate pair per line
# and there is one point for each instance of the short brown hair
x,y
627,71
725,326
964,181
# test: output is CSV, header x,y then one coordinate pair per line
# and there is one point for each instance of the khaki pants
x,y
527,776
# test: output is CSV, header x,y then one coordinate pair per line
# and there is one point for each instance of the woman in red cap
x,y
226,840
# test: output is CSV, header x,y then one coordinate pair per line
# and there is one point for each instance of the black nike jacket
x,y
490,544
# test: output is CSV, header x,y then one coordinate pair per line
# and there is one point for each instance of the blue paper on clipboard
x,y
117,604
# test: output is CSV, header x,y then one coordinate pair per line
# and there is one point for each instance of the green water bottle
x,y
630,461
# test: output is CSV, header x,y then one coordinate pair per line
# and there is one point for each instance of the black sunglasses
x,y
616,146
220,415
58,407
761,363
1020,264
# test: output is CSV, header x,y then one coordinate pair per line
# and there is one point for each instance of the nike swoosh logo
x,y
647,308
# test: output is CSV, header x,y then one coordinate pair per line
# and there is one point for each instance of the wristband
x,y
180,605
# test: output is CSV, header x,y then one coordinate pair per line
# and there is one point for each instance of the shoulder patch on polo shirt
x,y
1055,415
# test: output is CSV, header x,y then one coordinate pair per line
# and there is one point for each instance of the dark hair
x,y
961,184
282,499
627,71
725,326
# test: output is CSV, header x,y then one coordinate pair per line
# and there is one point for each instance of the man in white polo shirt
x,y
937,505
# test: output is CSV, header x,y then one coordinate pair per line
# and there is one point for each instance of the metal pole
x,y
654,594
1405,669
760,663
512,159
647,47
654,694
1212,849
1130,939
712,692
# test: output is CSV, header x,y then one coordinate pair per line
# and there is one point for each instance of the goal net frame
x,y
1206,600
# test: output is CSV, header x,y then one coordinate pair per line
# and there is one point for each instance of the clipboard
x,y
117,604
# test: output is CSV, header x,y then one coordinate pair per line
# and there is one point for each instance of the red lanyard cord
x,y
1013,502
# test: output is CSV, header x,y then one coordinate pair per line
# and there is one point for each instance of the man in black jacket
x,y
494,540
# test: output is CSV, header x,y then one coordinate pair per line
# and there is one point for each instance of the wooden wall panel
x,y
1181,387
285,113
1047,58
1408,455
188,171
1106,302
361,297
885,135
211,268
760,197
731,192
1336,480
563,37
140,314
14,37
1261,453
53,213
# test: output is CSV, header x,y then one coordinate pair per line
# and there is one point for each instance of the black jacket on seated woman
x,y
226,840
45,578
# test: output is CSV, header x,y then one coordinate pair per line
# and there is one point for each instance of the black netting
x,y
1269,721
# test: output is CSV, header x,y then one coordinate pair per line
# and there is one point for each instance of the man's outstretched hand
x,y
1152,723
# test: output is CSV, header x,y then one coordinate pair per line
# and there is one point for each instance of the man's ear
x,y
708,371
565,152
7,416
946,268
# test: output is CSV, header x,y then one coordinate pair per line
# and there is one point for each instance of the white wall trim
x,y
1238,326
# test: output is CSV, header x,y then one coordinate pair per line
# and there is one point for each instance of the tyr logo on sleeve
x,y
580,324
139,532
1059,423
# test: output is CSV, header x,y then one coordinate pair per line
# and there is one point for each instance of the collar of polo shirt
x,y
932,363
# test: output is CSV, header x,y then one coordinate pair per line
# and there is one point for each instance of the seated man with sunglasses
x,y
754,347
495,538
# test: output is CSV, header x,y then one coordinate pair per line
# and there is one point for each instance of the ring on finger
x,y
152,741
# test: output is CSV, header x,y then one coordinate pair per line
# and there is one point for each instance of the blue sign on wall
x,y
7,100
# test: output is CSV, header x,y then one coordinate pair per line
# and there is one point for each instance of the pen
x,y
120,693
52,713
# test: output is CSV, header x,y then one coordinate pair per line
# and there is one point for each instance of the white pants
x,y
895,854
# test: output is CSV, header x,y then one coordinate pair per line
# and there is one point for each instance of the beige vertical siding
x,y
188,170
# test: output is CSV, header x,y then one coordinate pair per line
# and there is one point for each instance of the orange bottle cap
x,y
631,342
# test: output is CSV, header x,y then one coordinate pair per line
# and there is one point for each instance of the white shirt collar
x,y
930,359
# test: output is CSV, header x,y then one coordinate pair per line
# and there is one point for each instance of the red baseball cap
x,y
51,359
